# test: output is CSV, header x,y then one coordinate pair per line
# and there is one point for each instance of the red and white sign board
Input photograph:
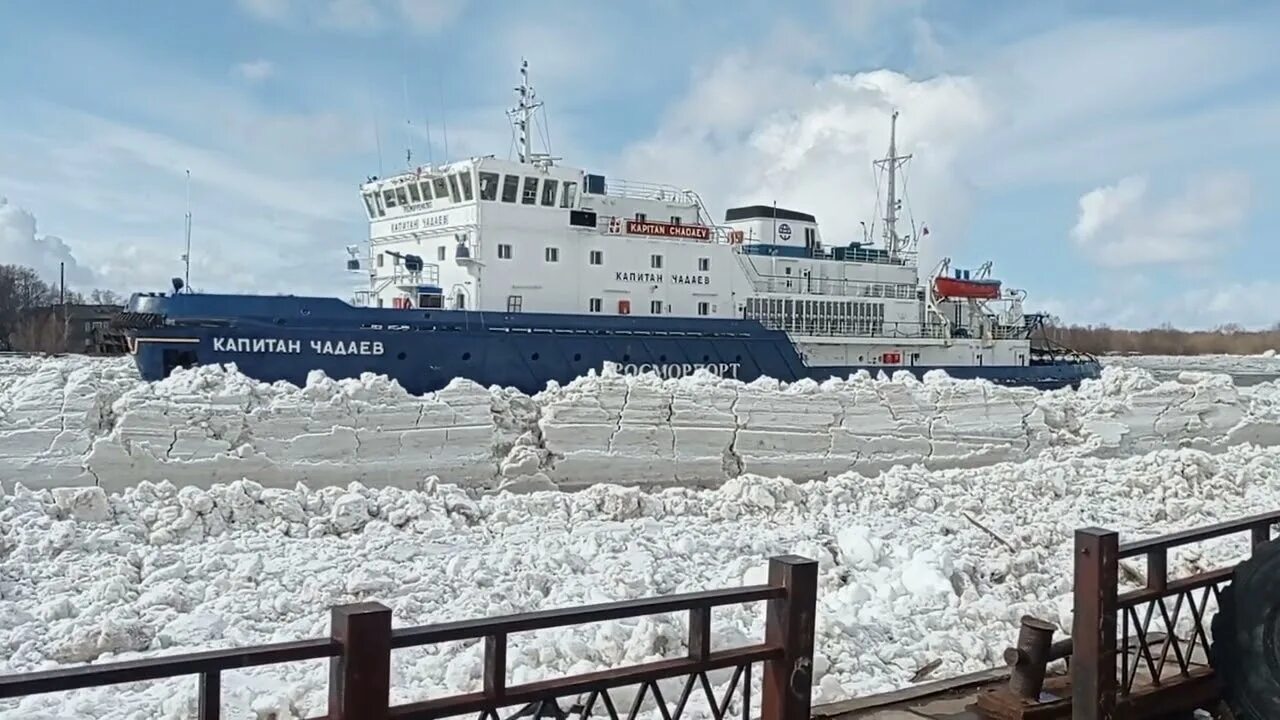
x,y
653,228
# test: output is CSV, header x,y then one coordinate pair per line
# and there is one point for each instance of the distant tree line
x,y
1227,339
25,299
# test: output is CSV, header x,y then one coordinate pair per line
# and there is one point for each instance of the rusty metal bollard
x,y
1030,658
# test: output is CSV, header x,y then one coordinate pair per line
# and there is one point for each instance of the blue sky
x,y
1115,160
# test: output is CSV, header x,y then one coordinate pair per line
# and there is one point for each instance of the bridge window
x,y
465,180
530,195
488,186
370,205
453,187
510,188
441,188
596,305
570,195
704,308
402,197
414,195
655,307
389,198
553,254
597,257
425,185
504,251
655,262
515,303
549,188
704,264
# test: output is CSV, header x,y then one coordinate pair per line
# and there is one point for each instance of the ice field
x,y
209,510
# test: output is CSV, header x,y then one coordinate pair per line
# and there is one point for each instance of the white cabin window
x,y
504,251
510,188
414,195
704,308
488,186
425,185
530,194
655,307
553,254
704,264
641,217
441,188
402,197
441,252
570,195
377,200
596,305
515,303
389,198
675,219
453,188
597,257
655,262
380,259
369,205
549,188
465,180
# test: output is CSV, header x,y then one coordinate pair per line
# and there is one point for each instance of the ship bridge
x,y
774,231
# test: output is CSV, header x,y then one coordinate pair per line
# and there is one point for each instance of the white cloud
x,y
256,70
431,16
21,244
810,145
359,16
1123,225
271,10
351,15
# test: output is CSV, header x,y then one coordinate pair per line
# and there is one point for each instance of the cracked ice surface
x,y
905,577
77,421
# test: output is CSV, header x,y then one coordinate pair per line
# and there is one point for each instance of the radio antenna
x,y
186,257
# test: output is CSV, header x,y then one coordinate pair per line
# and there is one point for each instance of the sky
x,y
1115,160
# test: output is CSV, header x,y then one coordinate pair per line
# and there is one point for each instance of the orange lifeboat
x,y
963,287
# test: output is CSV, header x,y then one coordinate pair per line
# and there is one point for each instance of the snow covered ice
x,y
174,550
91,422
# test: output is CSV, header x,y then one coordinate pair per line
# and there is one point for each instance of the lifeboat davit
x,y
963,287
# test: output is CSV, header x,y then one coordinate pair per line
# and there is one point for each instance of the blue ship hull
x,y
271,338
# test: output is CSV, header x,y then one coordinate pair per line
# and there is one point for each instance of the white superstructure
x,y
530,235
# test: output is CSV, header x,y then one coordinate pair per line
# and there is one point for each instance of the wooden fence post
x,y
1093,656
360,677
788,680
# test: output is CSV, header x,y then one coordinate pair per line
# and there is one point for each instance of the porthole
x,y
466,357
401,356
626,358
706,358
577,357
662,358
533,356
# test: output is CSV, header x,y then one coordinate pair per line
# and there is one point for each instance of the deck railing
x,y
1105,667
361,641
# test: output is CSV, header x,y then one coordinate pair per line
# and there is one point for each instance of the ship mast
x,y
892,242
523,113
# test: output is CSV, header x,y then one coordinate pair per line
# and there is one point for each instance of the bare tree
x,y
21,290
